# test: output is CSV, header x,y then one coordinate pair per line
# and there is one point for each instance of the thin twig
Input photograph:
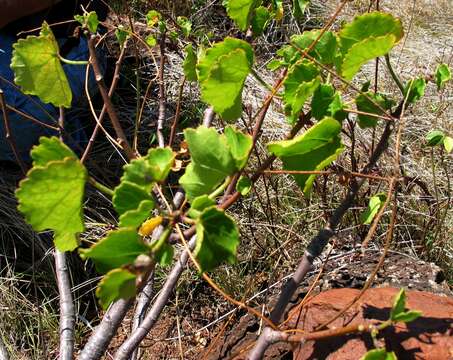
x,y
9,135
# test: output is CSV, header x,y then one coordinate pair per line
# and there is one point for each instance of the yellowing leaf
x,y
38,70
149,225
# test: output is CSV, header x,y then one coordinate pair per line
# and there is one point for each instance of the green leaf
x,y
50,149
121,35
367,26
222,71
164,255
190,64
399,304
240,146
260,20
435,137
211,161
134,218
322,98
301,82
379,354
241,11
89,20
51,198
120,247
375,204
155,166
116,284
198,205
362,52
244,185
364,104
217,239
299,7
416,89
448,144
185,25
37,68
407,316
153,17
128,196
151,40
311,151
336,108
324,50
443,74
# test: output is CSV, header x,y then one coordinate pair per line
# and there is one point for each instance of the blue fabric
x,y
25,132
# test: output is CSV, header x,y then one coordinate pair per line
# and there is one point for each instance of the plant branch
x,y
395,77
67,312
162,97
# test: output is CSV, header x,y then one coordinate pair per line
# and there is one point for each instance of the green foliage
x,y
134,218
151,40
443,75
37,68
302,80
364,104
128,196
435,137
153,17
214,157
379,354
311,151
121,35
116,284
88,20
414,90
375,204
241,11
397,312
324,50
448,144
51,196
185,25
217,239
244,185
260,20
199,204
299,7
120,247
222,71
190,64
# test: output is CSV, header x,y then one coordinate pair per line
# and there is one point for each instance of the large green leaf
x,y
128,196
324,50
222,71
217,239
241,11
369,25
362,52
116,284
50,149
313,150
211,161
443,75
37,68
120,247
260,20
199,204
299,7
301,82
240,146
364,104
51,199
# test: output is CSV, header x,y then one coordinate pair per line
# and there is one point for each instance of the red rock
x,y
428,337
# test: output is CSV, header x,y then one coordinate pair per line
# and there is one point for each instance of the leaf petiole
x,y
220,189
72,62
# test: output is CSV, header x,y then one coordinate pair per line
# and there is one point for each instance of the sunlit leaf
x,y
260,20
399,304
443,75
375,204
241,11
116,284
151,40
244,185
311,151
300,84
240,146
120,247
435,137
153,17
185,24
407,316
128,196
89,20
379,354
50,149
324,50
199,204
190,64
364,104
121,35
299,7
134,218
415,90
448,144
51,198
37,68
217,239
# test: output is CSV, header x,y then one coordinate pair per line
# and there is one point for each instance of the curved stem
x,y
72,62
102,188
393,74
